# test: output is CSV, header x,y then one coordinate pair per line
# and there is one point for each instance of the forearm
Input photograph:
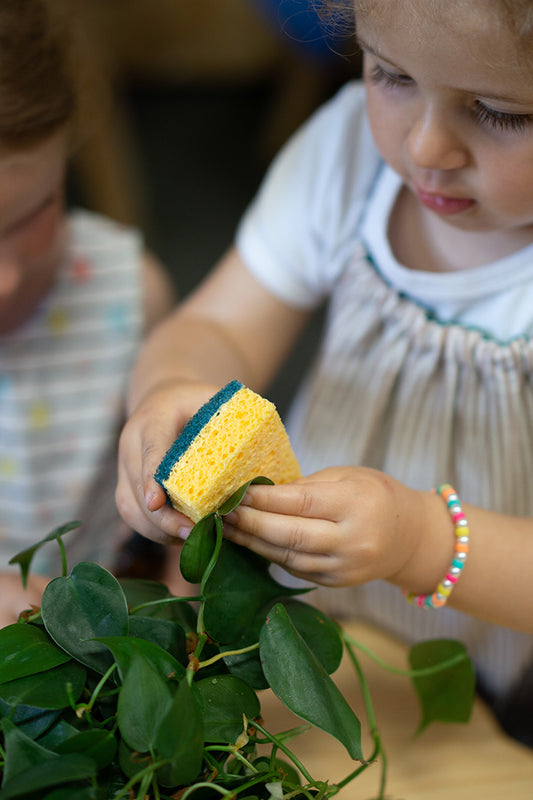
x,y
189,350
495,583
230,327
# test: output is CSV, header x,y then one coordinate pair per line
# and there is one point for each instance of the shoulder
x,y
93,232
308,208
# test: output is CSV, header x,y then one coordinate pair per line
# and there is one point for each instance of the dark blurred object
x,y
205,43
140,558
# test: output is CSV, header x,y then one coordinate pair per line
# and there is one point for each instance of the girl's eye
x,y
380,76
501,120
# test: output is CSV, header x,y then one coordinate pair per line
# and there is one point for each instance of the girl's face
x,y
451,109
31,226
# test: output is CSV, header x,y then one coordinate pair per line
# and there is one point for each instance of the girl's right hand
x,y
145,438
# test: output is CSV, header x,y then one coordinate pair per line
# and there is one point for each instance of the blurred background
x,y
202,93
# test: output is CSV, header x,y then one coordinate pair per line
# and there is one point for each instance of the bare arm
x,y
230,327
158,292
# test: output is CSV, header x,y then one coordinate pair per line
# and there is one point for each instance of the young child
x,y
408,202
77,292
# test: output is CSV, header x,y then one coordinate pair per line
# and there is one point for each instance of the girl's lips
x,y
444,205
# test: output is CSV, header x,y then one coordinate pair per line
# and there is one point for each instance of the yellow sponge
x,y
236,436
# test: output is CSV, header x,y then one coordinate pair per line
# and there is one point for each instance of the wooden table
x,y
475,761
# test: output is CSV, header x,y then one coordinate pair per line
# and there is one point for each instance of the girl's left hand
x,y
341,526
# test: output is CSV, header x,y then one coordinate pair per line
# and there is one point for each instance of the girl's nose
x,y
433,143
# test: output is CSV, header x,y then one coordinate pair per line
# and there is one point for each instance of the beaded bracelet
x,y
440,597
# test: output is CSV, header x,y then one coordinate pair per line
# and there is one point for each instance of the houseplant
x,y
120,690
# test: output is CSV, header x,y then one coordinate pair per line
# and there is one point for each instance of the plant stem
x,y
163,601
230,748
288,753
407,673
139,776
99,686
374,732
208,785
208,570
218,656
63,556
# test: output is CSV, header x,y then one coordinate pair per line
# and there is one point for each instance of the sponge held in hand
x,y
236,436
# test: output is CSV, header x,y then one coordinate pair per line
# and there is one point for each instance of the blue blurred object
x,y
298,23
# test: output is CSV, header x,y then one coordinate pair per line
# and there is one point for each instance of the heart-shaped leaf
x,y
180,739
302,684
47,690
143,598
29,767
24,558
144,698
79,609
167,634
319,633
27,650
237,595
99,745
446,695
31,721
198,549
224,700
128,648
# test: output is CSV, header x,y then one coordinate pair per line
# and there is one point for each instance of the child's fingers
x,y
295,534
312,566
162,525
314,500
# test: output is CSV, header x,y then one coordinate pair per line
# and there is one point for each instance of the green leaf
x,y
448,694
144,698
319,632
238,593
302,684
29,767
168,635
78,609
246,666
47,690
31,721
197,549
139,591
57,734
126,649
224,699
26,650
62,769
99,745
232,502
24,558
180,739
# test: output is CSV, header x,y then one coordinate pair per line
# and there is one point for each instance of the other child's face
x,y
31,226
451,108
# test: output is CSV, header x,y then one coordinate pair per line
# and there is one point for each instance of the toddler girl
x,y
407,201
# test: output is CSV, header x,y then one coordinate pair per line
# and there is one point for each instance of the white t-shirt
x,y
426,376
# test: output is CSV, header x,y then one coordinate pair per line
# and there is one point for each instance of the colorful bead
x,y
439,598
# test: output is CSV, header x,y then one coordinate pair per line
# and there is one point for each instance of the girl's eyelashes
x,y
501,120
389,80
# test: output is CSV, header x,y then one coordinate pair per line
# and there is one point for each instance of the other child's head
x,y
38,113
